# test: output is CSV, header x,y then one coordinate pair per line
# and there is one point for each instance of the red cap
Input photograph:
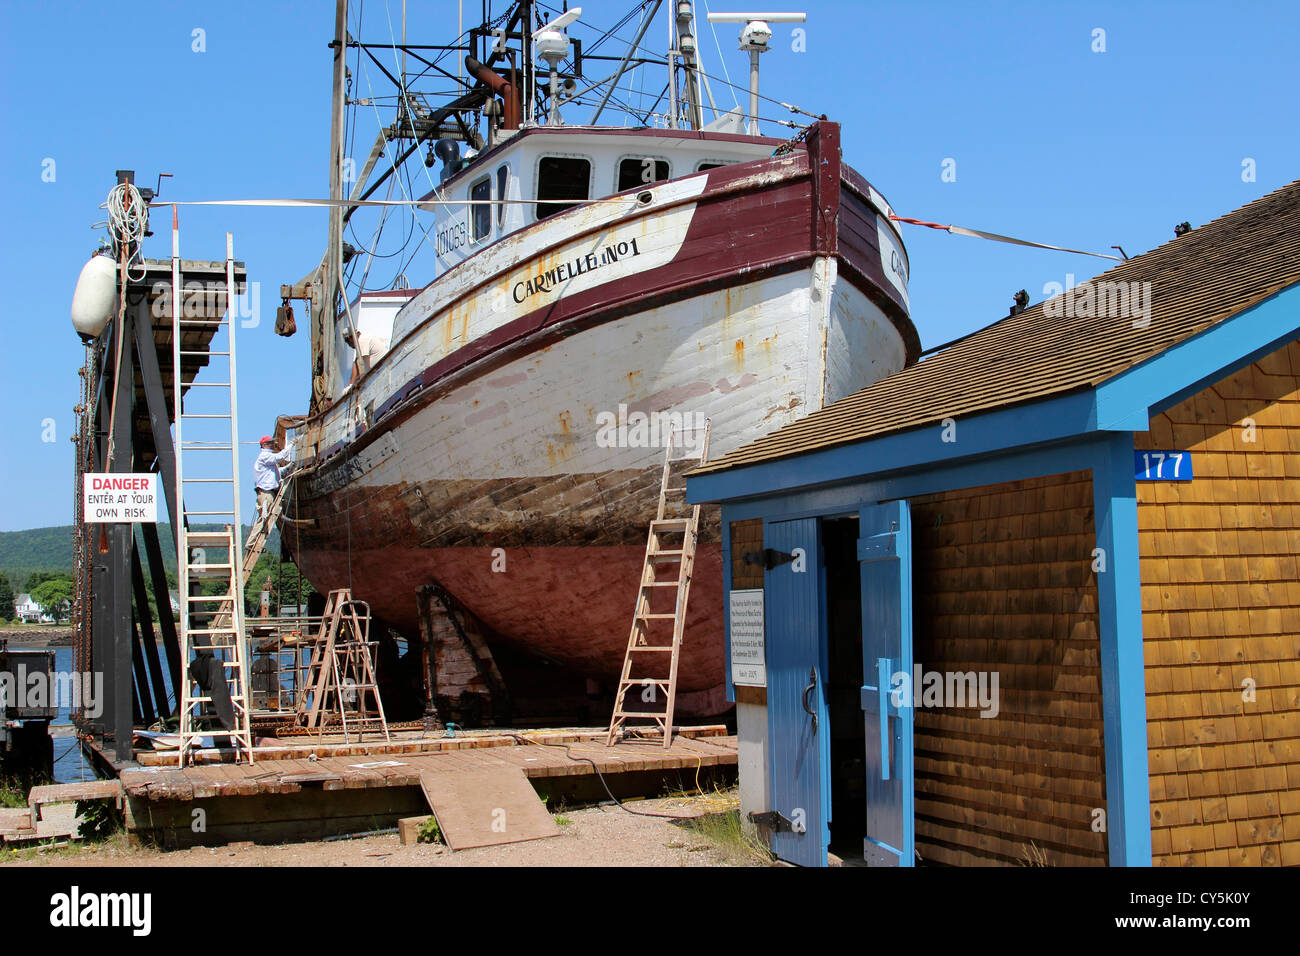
x,y
267,440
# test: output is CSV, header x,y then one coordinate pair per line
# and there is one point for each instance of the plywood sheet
x,y
486,807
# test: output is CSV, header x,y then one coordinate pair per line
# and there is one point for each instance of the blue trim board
x,y
726,606
977,436
850,496
1123,678
1182,370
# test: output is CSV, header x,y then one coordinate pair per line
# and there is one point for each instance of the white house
x,y
27,610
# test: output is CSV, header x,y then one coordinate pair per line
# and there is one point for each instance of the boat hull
x,y
522,477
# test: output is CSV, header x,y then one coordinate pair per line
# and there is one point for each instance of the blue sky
x,y
1051,141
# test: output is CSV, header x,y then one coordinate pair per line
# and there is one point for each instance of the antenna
x,y
754,37
553,46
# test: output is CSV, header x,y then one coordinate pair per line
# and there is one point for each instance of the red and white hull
x,y
507,445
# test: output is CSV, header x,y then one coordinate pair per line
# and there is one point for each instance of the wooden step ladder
x,y
256,544
655,640
262,527
341,673
213,653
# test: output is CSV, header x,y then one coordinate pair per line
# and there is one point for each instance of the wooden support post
x,y
156,401
424,603
119,564
1123,679
101,649
143,709
161,704
158,577
101,638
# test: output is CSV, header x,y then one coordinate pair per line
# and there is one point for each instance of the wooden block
x,y
408,829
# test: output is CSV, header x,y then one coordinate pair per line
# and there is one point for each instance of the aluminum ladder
x,y
654,647
213,656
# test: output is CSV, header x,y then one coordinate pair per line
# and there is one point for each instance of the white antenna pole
x,y
754,37
672,71
552,45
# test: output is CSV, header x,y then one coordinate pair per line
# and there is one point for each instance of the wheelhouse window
x,y
565,178
705,167
640,171
503,180
480,212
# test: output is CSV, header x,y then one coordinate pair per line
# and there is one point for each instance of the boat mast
x,y
526,59
324,359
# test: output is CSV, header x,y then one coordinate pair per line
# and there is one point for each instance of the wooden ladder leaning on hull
x,y
670,547
262,526
255,545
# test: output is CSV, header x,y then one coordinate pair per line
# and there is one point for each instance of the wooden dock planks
x,y
533,760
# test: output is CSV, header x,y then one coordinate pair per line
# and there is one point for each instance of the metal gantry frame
x,y
120,567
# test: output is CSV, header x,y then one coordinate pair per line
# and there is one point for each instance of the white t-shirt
x,y
369,350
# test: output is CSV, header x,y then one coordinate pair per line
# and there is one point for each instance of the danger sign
x,y
119,498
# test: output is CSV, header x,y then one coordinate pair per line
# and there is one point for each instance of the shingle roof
x,y
1198,279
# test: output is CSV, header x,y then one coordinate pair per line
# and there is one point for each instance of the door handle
x,y
812,685
883,667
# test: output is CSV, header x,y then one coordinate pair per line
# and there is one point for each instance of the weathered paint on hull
x,y
431,500
571,604
771,308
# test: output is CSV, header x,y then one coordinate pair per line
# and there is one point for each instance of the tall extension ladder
x,y
670,547
341,672
212,626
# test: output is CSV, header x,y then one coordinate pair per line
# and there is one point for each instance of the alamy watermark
x,y
624,429
207,300
77,908
923,688
38,689
1102,300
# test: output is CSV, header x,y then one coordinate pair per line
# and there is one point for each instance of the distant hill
x,y
50,549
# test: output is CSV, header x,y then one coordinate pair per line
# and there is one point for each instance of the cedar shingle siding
x,y
1221,604
1003,582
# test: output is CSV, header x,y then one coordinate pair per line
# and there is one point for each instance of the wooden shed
x,y
1036,599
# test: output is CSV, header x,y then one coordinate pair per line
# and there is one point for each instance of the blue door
x,y
797,724
885,556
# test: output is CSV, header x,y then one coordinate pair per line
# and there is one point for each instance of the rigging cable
x,y
128,221
995,237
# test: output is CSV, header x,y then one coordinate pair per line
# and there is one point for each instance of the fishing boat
x,y
594,288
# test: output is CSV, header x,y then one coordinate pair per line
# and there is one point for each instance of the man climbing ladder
x,y
267,479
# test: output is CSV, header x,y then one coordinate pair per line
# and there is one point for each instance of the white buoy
x,y
92,302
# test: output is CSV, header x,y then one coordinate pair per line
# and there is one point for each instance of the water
x,y
69,764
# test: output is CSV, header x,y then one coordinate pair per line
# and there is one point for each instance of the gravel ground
x,y
595,836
